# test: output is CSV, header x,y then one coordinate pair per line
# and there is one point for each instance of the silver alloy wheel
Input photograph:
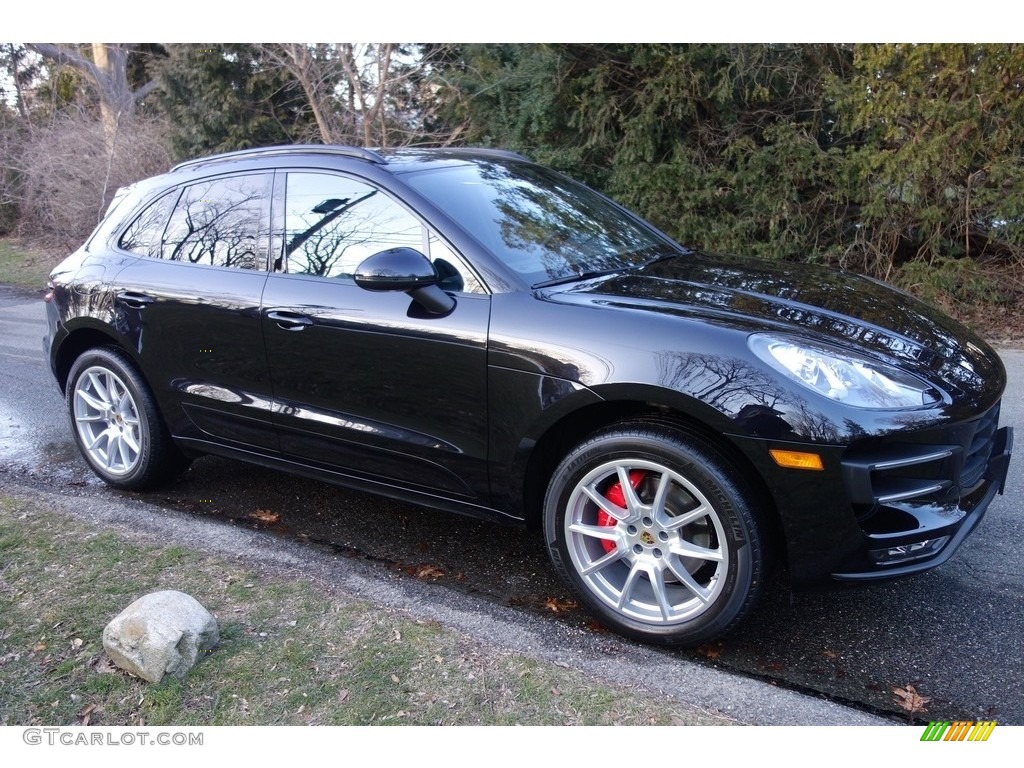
x,y
666,560
107,419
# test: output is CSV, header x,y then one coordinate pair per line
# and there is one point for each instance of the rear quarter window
x,y
144,235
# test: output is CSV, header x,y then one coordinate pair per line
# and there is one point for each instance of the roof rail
x,y
471,150
323,149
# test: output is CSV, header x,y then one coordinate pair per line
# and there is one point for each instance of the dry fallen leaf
x,y
88,711
909,699
710,651
265,516
556,605
104,665
427,572
343,694
394,679
829,654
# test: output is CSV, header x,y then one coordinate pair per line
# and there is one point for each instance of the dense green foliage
x,y
936,172
882,158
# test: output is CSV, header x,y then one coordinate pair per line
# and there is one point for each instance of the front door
x,y
369,384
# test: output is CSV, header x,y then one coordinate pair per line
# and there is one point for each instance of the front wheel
x,y
656,534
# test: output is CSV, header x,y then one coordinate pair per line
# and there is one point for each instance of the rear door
x,y
191,303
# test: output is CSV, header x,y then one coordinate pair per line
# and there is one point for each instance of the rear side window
x,y
223,222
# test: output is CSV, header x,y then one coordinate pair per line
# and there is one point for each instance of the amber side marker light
x,y
797,459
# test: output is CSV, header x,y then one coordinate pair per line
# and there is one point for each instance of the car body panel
x,y
375,387
205,354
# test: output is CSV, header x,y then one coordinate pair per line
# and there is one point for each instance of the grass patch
x,y
24,266
291,652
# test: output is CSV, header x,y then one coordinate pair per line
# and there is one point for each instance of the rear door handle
x,y
135,300
289,321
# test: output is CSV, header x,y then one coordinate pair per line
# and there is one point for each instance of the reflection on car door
x,y
368,384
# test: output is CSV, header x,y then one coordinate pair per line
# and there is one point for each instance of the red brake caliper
x,y
617,497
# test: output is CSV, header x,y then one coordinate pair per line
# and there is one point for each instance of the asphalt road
x,y
956,633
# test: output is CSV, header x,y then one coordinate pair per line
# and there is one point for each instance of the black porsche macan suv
x,y
467,330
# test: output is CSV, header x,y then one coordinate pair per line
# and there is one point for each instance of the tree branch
x,y
62,54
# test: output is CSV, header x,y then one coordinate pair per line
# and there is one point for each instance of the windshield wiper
x,y
660,253
582,276
664,253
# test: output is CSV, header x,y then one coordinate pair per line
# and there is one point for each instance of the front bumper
x,y
885,507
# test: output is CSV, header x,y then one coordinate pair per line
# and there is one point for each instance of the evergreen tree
x,y
223,97
937,171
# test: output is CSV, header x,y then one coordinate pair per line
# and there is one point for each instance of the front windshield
x,y
541,224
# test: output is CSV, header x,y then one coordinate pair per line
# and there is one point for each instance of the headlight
x,y
846,378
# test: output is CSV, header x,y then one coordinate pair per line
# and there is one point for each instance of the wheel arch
x,y
78,341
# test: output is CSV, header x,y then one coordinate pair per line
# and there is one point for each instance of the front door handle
x,y
289,321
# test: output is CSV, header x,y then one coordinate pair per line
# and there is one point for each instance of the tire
x,y
656,535
116,423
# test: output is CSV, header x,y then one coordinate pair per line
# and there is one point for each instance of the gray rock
x,y
162,633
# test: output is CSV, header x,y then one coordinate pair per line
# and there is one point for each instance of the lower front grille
x,y
889,481
979,453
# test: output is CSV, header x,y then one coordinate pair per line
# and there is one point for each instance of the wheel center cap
x,y
647,538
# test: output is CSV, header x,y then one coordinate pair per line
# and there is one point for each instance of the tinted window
x,y
223,222
144,236
332,223
538,222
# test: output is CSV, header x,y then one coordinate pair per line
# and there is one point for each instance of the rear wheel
x,y
656,534
116,422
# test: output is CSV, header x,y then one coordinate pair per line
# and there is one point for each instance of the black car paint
x,y
368,390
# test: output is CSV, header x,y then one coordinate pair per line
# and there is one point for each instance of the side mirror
x,y
408,270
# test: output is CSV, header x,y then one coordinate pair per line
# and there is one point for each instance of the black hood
x,y
813,302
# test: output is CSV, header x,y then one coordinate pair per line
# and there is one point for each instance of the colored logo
x,y
959,730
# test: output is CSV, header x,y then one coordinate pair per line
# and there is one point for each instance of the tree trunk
x,y
115,95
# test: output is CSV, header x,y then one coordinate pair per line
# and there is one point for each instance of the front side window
x,y
333,222
223,222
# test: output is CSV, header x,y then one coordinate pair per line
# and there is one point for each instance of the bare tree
x,y
108,72
21,67
372,94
